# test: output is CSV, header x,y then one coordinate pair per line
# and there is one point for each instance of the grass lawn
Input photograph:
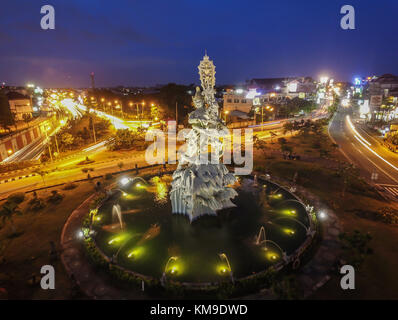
x,y
356,209
28,252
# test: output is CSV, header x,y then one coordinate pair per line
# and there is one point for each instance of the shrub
x,y
16,197
388,215
36,204
356,247
55,197
70,186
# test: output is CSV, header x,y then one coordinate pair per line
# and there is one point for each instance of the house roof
x,y
239,114
12,95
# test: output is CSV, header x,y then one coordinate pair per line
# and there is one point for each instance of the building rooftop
x,y
12,95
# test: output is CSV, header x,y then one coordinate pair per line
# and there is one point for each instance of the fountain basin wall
x,y
198,283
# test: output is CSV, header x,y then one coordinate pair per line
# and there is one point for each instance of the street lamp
x,y
226,112
142,111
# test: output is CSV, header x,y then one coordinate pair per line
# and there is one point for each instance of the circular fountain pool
x,y
135,228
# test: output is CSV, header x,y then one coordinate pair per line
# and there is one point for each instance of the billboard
x,y
376,100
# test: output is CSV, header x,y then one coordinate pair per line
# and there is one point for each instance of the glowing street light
x,y
322,215
324,79
226,112
124,181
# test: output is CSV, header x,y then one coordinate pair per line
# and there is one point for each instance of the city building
x,y
385,85
284,88
237,100
19,105
381,94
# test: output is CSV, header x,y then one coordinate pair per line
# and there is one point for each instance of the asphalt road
x,y
375,162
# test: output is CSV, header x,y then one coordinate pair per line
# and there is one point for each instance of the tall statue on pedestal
x,y
201,186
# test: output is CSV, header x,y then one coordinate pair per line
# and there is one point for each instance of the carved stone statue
x,y
201,186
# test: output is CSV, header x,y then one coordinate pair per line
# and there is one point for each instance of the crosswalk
x,y
390,188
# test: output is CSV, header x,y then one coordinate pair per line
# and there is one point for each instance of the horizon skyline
x,y
242,83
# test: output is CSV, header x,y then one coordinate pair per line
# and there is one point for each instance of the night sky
x,y
149,42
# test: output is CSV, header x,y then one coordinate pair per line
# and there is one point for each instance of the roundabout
x,y
134,229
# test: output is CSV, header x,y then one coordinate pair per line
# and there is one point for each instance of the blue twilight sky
x,y
146,42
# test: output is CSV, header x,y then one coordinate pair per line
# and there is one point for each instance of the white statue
x,y
200,187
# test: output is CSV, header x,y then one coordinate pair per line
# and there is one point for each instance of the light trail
x,y
98,145
366,144
355,130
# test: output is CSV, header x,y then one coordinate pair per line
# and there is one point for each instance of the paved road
x,y
365,151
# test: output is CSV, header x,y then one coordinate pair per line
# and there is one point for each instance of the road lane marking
x,y
366,144
393,189
388,175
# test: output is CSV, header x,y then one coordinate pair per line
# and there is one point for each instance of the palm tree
x,y
41,173
259,144
288,127
273,134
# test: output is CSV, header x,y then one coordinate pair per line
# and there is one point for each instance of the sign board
x,y
256,101
302,95
376,100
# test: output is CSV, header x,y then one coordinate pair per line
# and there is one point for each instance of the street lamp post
x,y
48,142
142,111
225,117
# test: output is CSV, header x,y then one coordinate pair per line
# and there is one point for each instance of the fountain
x,y
166,268
223,270
284,255
117,213
261,233
307,229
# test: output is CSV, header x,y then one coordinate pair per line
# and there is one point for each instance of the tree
x,y
288,127
259,144
173,94
282,141
27,117
6,117
286,149
273,135
41,173
124,139
102,127
67,140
